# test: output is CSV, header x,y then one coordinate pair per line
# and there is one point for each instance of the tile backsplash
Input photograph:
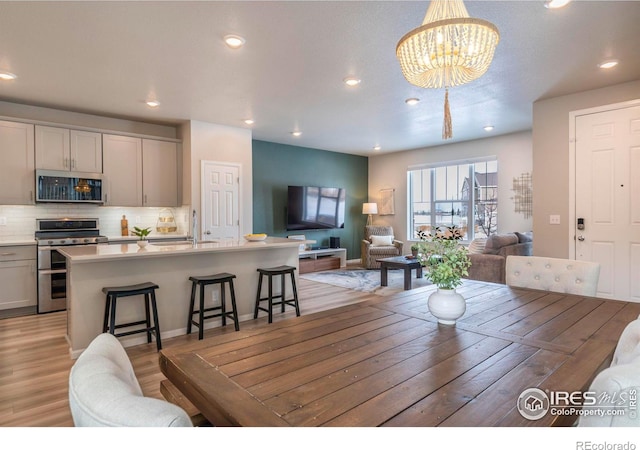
x,y
19,222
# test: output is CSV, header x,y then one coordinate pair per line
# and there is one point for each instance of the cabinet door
x,y
18,281
17,167
122,167
52,148
86,151
160,173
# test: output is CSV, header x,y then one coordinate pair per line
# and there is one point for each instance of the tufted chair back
x,y
553,274
104,391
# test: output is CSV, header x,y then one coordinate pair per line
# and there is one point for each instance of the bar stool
x,y
114,293
270,273
221,279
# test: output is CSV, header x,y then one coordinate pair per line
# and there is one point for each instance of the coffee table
x,y
399,262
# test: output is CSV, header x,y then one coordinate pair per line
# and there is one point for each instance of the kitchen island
x,y
169,265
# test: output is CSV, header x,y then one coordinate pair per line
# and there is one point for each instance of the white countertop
x,y
103,252
17,241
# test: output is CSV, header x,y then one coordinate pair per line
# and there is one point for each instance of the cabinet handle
x,y
7,254
145,198
73,163
65,163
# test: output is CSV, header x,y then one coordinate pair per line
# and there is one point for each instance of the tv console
x,y
322,259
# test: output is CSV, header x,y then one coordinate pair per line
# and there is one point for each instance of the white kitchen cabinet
x,y
64,149
18,276
17,167
122,167
159,173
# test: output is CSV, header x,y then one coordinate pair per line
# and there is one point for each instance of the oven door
x,y
52,280
52,290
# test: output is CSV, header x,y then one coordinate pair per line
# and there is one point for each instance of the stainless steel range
x,y
52,267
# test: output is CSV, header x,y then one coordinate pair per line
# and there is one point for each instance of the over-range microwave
x,y
68,187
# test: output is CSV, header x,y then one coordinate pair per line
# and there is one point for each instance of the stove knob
x,y
73,241
62,242
86,241
50,242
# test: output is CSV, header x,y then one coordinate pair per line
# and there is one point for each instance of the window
x,y
459,194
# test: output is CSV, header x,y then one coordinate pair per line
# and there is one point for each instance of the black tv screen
x,y
315,208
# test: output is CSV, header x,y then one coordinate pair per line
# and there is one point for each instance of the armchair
x,y
378,243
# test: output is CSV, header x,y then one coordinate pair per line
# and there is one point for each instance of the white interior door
x,y
220,201
608,198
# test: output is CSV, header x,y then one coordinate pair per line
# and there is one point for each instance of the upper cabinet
x,y
17,170
64,149
122,164
139,172
159,173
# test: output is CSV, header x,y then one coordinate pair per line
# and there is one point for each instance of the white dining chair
x,y
104,391
553,274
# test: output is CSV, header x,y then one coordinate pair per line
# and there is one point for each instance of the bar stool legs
x,y
148,290
270,273
222,279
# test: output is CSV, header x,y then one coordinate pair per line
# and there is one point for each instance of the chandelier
x,y
449,49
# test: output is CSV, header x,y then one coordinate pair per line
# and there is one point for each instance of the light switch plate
x,y
3,221
554,219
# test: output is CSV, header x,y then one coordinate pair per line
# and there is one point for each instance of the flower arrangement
x,y
446,259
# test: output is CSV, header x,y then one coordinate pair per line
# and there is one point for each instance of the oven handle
x,y
51,272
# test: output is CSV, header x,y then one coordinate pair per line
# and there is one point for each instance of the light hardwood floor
x,y
35,363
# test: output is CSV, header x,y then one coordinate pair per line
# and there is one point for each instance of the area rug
x,y
365,280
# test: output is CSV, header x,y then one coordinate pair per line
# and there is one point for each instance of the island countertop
x,y
169,265
103,252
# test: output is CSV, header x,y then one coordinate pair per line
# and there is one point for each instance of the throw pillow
x,y
378,241
477,245
524,237
496,241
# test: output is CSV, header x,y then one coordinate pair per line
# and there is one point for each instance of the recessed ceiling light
x,y
608,64
152,103
7,76
234,41
248,121
352,81
296,133
555,4
377,147
488,128
412,101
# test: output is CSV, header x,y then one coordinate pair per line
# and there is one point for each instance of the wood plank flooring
x,y
35,364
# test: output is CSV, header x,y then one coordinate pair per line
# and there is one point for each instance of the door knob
x,y
207,232
581,238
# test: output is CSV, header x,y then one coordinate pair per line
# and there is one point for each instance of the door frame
x,y
573,115
203,163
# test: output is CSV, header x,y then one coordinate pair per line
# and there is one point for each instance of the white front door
x,y
607,192
220,201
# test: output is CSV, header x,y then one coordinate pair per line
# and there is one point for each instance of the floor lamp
x,y
370,209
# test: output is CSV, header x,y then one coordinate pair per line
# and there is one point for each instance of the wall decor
x,y
523,198
386,206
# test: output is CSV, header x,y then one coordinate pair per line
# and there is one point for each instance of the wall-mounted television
x,y
315,208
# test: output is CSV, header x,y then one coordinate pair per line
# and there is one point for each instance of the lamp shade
x,y
369,208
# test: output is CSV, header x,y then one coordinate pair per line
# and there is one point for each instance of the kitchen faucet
x,y
194,230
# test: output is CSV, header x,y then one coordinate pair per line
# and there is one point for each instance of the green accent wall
x,y
277,166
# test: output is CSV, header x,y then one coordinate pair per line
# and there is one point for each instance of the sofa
x,y
489,257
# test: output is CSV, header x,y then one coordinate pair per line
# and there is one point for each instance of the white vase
x,y
447,306
142,244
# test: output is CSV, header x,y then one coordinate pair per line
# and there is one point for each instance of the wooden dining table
x,y
387,362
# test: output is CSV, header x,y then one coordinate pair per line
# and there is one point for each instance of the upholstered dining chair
x,y
104,391
379,242
553,274
628,348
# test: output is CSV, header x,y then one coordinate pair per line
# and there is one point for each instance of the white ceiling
x,y
108,57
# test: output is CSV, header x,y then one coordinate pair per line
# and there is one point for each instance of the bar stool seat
x,y
202,281
271,272
148,290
